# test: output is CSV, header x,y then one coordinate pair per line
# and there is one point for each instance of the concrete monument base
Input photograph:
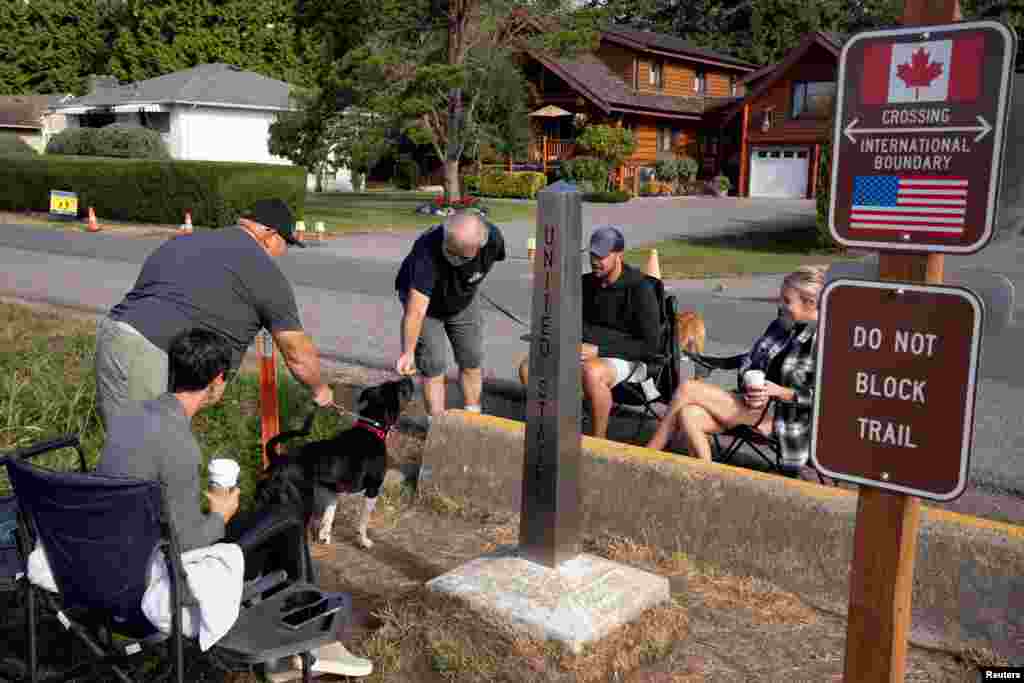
x,y
577,603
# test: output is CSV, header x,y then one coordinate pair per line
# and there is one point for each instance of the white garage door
x,y
779,172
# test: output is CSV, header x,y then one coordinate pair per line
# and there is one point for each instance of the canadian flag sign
x,y
929,71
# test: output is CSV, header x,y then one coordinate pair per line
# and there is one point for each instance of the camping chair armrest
x,y
66,441
713,363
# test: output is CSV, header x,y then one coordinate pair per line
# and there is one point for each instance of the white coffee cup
x,y
224,473
754,379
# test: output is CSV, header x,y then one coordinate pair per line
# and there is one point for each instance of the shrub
x,y
824,195
124,142
647,188
722,183
609,197
470,183
586,170
520,184
13,146
150,191
687,168
407,174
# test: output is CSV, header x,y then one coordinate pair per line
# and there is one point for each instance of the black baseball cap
x,y
605,240
276,215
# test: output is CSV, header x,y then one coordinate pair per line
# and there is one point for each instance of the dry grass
x,y
424,635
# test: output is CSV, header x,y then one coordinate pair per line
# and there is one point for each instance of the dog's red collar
x,y
382,434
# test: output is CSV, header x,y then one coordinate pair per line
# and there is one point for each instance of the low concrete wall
x,y
968,585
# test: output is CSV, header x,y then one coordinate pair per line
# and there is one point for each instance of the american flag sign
x,y
914,204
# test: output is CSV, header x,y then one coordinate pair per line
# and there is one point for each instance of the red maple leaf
x,y
920,71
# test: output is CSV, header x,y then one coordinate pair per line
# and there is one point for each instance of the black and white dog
x,y
353,461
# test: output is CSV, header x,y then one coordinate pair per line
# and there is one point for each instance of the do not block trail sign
x,y
918,143
897,370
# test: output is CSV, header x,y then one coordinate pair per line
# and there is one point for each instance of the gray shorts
x,y
465,330
129,367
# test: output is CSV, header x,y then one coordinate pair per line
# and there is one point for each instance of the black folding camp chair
x,y
100,534
765,446
662,367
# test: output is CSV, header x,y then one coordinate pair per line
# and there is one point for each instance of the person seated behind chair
x,y
620,320
153,440
786,354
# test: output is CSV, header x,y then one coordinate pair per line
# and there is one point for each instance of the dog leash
x,y
504,310
376,427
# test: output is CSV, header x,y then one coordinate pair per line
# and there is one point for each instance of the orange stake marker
x,y
270,421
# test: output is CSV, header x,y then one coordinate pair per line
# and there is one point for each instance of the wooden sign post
x,y
916,162
270,420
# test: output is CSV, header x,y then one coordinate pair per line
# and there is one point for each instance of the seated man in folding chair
x,y
785,353
620,320
153,440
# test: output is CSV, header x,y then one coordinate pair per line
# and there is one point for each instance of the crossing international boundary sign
x,y
919,134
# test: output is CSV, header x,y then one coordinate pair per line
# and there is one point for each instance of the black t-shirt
x,y
450,288
220,280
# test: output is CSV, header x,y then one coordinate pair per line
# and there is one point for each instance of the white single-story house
x,y
29,118
211,112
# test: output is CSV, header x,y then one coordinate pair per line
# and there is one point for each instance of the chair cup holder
x,y
300,599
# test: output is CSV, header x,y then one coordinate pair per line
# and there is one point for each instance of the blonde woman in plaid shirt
x,y
786,353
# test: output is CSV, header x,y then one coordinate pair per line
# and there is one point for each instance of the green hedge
x,y
609,197
150,191
520,184
590,170
125,142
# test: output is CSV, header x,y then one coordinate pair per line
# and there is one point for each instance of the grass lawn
x,y
748,253
345,212
47,389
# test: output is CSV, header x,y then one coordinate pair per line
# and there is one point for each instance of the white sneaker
x,y
335,659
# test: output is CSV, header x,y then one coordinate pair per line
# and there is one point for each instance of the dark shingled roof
x,y
207,83
593,77
661,41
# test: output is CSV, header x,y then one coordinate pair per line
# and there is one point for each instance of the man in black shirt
x,y
620,320
437,285
222,280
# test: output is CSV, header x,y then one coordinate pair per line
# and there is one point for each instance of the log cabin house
x,y
785,118
672,94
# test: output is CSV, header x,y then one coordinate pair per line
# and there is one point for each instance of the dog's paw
x,y
365,541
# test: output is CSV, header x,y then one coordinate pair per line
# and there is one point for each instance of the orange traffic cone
x,y
92,226
186,227
653,267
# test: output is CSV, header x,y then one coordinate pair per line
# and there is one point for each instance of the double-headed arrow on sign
x,y
982,130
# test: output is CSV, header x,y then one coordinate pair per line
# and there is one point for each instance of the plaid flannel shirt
x,y
792,422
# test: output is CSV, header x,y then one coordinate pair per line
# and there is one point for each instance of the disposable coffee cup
x,y
754,378
224,473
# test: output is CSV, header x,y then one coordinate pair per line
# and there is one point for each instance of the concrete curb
x,y
968,585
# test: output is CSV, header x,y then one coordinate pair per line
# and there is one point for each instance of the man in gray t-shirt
x,y
222,280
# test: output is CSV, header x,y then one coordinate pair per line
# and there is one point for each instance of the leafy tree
x,y
609,143
51,46
426,62
162,36
358,139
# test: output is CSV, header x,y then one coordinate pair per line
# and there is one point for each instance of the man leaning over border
x,y
223,280
437,284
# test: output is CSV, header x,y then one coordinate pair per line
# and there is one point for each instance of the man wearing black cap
x,y
222,280
620,320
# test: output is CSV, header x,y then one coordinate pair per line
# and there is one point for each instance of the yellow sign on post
x,y
64,204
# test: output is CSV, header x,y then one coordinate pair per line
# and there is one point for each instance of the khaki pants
x,y
129,367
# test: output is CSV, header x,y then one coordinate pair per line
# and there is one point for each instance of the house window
x,y
700,83
813,99
767,119
733,86
656,74
160,121
666,136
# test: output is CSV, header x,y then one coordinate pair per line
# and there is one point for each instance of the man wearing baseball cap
x,y
222,280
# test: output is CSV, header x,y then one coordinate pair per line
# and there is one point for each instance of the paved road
x,y
345,295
